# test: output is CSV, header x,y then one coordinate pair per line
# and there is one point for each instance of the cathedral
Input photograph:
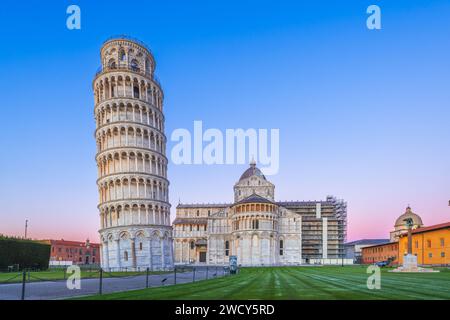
x,y
259,230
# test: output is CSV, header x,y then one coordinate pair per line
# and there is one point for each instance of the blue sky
x,y
363,115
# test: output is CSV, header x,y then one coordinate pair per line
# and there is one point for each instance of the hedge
x,y
25,253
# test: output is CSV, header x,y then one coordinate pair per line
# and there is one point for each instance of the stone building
x,y
430,244
390,250
132,167
353,250
64,252
259,230
380,252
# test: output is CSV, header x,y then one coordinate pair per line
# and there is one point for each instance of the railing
x,y
101,280
125,37
128,68
219,229
188,234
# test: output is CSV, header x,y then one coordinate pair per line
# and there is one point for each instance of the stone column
x,y
183,253
189,251
208,248
171,252
251,250
261,254
118,263
163,259
150,249
133,252
324,238
239,250
153,214
105,255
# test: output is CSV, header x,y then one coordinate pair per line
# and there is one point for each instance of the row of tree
x,y
22,254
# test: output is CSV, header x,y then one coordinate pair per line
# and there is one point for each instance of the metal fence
x,y
37,285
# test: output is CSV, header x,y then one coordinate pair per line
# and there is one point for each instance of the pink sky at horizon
x,y
363,114
364,222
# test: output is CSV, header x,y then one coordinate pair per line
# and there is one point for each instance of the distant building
x,y
380,252
400,227
430,244
65,252
353,249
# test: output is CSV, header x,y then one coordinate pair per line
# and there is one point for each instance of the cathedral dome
x,y
400,222
252,171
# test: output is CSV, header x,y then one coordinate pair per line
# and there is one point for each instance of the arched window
x,y
125,256
281,247
227,248
147,65
198,213
192,245
136,92
134,65
140,246
112,64
122,55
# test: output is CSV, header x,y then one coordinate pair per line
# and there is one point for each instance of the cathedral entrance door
x,y
202,257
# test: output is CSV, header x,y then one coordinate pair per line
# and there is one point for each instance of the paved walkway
x,y
49,290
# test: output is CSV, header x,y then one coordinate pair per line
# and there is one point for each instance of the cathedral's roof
x,y
254,198
307,203
367,241
252,171
203,205
417,221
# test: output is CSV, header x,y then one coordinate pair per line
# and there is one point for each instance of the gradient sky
x,y
363,115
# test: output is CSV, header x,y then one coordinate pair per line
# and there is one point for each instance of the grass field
x,y
58,274
301,283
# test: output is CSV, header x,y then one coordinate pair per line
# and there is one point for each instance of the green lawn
x,y
301,283
58,274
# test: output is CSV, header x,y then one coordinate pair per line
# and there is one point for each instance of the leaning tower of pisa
x,y
132,180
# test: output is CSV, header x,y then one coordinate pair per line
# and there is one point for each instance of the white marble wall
x,y
128,251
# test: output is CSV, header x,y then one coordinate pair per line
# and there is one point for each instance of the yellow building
x,y
430,244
